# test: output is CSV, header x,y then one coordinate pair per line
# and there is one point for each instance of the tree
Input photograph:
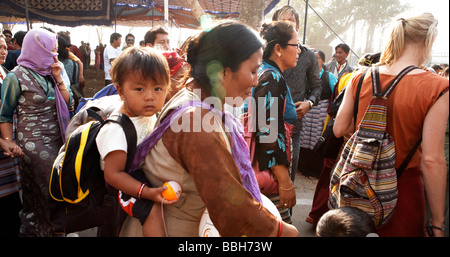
x,y
378,13
341,15
196,8
252,13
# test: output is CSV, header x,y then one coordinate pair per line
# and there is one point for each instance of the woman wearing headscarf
x,y
36,89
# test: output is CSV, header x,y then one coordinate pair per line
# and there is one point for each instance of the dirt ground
x,y
94,80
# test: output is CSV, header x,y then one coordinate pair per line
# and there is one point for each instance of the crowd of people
x,y
41,79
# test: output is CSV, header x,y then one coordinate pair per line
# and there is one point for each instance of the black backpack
x,y
79,196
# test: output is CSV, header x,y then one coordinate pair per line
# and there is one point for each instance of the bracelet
x,y
59,83
433,226
280,228
286,189
141,188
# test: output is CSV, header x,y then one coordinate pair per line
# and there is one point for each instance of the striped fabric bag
x,y
365,176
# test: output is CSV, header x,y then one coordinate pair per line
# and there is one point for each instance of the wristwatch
x,y
310,104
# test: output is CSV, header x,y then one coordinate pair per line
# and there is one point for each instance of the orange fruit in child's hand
x,y
172,192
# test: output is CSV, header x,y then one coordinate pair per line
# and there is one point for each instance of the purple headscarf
x,y
37,55
37,51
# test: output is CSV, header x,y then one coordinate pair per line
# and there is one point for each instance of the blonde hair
x,y
285,12
421,28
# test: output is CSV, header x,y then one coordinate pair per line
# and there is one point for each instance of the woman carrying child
x,y
224,63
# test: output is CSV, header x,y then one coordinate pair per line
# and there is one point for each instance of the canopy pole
x,y
306,20
166,13
115,16
27,16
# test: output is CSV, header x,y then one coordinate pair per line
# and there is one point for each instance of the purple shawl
x,y
233,127
37,51
37,55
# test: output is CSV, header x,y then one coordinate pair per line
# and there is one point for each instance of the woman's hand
x,y
56,70
286,189
287,195
11,149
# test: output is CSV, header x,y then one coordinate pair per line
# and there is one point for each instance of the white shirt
x,y
108,54
337,70
2,71
111,136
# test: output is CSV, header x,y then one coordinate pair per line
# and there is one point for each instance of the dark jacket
x,y
303,80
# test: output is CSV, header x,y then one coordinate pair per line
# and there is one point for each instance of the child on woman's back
x,y
141,77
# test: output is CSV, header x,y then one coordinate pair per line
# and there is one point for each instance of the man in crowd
x,y
157,38
11,58
340,66
8,38
110,53
129,41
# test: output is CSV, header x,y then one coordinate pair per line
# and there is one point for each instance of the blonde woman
x,y
415,109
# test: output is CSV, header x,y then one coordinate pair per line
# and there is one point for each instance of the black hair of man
x,y
150,36
344,47
18,37
114,36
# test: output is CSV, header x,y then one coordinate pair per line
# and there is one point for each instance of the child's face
x,y
141,97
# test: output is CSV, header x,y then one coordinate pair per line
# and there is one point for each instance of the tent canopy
x,y
74,13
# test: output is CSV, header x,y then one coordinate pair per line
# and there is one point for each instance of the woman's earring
x,y
279,54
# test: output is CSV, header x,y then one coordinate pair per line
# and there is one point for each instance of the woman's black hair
x,y
226,45
63,53
277,32
321,54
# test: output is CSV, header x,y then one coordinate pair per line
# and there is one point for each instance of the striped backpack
x,y
365,176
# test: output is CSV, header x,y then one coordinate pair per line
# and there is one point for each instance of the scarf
x,y
37,51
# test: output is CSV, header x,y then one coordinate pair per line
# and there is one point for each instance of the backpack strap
x,y
358,92
408,158
377,85
414,149
93,113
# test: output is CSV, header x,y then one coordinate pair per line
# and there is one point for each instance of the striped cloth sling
x,y
365,176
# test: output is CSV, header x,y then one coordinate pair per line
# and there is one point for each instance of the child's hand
x,y
154,194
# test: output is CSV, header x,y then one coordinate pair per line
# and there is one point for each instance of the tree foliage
x,y
341,15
